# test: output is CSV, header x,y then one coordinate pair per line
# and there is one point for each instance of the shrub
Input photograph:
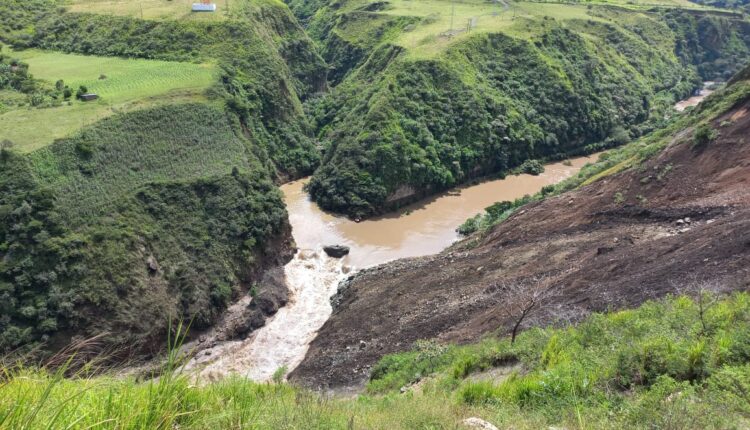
x,y
704,135
469,226
531,167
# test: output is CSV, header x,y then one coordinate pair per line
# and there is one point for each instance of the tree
x,y
59,85
520,299
706,294
81,91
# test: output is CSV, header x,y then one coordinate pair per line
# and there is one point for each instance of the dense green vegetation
x,y
131,223
266,62
666,364
417,111
155,202
742,6
631,155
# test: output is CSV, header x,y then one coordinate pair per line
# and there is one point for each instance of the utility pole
x,y
453,14
141,5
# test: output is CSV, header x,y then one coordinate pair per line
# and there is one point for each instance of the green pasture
x,y
122,84
444,22
166,9
152,9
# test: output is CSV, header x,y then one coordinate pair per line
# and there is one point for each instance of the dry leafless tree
x,y
522,298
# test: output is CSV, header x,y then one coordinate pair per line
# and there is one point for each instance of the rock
x,y
687,220
336,251
307,254
604,250
362,344
478,423
153,266
680,222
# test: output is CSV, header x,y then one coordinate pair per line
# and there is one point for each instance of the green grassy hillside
x,y
121,85
130,223
265,62
421,107
653,367
156,201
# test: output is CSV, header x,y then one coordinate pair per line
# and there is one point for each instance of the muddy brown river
x,y
420,229
423,228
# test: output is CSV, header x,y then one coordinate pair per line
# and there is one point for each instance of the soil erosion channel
x,y
312,277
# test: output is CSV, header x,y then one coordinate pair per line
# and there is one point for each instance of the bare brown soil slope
x,y
612,244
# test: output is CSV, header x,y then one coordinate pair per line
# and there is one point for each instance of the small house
x,y
89,97
204,7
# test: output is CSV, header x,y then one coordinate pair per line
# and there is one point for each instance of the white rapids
x,y
312,278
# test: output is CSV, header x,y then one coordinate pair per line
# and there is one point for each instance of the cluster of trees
x,y
86,248
15,76
719,47
742,6
555,95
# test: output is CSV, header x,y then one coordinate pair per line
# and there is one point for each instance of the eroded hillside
x,y
679,210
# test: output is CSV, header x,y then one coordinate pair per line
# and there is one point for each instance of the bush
x,y
531,167
704,135
470,226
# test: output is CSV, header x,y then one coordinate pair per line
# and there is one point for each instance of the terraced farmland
x,y
122,84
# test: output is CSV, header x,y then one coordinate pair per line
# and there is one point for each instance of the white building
x,y
204,7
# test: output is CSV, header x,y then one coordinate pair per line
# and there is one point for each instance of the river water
x,y
423,228
697,98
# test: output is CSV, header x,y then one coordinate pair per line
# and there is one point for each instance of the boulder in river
x,y
336,251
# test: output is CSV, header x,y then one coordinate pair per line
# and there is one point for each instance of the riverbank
x,y
627,238
270,333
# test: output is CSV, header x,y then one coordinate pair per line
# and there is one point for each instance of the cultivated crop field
x,y
122,84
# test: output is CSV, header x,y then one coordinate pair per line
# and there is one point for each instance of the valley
x,y
169,179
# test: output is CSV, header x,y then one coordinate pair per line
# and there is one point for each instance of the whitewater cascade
x,y
312,278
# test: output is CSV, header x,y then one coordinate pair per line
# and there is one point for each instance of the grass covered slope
x,y
657,366
129,224
416,114
266,64
122,84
